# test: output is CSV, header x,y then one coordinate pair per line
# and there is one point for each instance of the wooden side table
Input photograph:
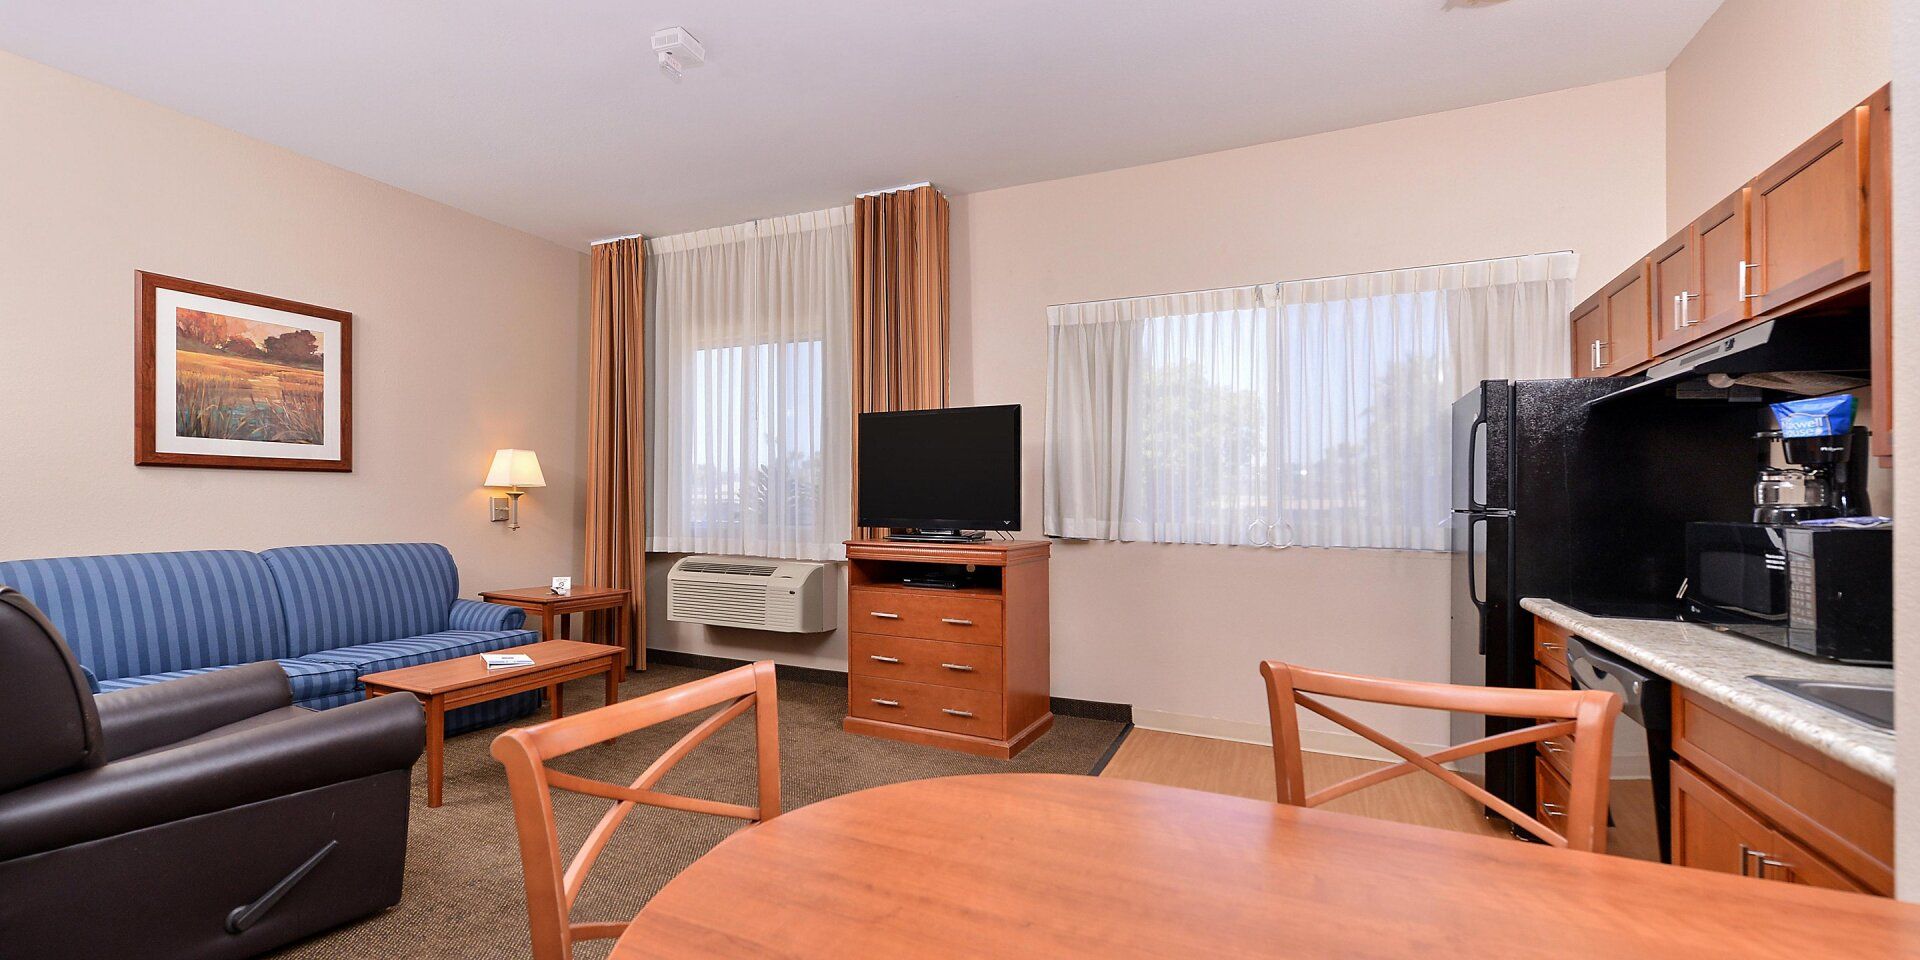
x,y
541,602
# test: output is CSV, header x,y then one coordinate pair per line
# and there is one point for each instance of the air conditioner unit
x,y
790,596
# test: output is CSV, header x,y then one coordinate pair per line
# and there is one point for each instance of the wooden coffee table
x,y
465,681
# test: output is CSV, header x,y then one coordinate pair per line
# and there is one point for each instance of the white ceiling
x,y
550,115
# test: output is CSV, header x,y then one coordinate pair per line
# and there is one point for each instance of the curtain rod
x,y
1330,276
624,236
904,186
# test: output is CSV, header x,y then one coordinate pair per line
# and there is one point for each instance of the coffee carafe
x,y
1821,477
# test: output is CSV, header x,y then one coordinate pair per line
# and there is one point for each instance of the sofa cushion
x,y
434,647
347,595
137,614
310,679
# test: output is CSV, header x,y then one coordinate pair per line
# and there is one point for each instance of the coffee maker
x,y
1822,477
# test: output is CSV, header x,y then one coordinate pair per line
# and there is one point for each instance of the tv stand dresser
x,y
964,668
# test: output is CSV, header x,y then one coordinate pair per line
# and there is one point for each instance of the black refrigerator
x,y
1557,496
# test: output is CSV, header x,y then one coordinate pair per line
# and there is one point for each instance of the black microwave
x,y
1822,591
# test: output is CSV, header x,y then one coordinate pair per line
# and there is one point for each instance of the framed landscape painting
x,y
227,378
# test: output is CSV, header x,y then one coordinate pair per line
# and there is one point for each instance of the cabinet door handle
x,y
1752,862
1553,810
1598,346
1550,645
956,713
886,616
885,703
1745,288
1762,862
1678,321
1686,309
1553,748
1593,355
875,656
963,668
956,621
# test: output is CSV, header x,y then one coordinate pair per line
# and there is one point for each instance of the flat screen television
x,y
941,470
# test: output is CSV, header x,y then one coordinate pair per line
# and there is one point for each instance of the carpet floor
x,y
463,896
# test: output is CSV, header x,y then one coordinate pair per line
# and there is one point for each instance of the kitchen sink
x,y
1869,703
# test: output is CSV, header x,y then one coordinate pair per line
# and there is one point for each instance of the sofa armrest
x,y
252,764
474,615
139,719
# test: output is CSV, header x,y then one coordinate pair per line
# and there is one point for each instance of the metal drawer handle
x,y
949,711
1763,861
1553,747
875,656
886,616
1553,809
1746,860
886,703
1550,645
963,668
956,621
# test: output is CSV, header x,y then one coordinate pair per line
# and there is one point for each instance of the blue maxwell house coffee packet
x,y
1815,416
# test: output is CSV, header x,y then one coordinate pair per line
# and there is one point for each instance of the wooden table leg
x,y
554,700
613,682
436,747
566,631
636,651
546,624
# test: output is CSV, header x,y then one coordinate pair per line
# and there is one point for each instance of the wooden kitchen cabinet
x,y
1714,831
1810,217
1723,246
1589,336
1676,290
1629,300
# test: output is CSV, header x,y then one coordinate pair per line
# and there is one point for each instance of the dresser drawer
x,y
972,666
953,709
926,615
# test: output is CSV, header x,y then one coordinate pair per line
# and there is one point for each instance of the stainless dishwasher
x,y
1646,699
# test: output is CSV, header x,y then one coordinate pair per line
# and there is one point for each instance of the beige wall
x,y
1177,631
1760,77
1906,407
467,337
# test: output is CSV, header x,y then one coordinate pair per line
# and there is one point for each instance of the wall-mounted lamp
x,y
512,469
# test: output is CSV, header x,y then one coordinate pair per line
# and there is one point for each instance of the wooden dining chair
x,y
1588,715
552,887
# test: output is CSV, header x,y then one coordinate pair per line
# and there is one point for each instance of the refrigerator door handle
x,y
1473,577
1473,461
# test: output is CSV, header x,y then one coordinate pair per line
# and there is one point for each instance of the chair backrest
x,y
48,712
551,886
1587,715
133,614
346,594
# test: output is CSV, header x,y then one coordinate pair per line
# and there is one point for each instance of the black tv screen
x,y
952,469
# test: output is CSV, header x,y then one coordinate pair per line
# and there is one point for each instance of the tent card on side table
x,y
499,661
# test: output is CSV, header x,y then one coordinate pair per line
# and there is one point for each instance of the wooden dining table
x,y
1045,866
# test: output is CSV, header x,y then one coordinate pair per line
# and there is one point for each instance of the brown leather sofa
x,y
205,817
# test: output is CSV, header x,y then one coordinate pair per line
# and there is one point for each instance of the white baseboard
x,y
1340,743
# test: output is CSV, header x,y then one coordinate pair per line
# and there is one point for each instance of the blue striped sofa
x,y
328,614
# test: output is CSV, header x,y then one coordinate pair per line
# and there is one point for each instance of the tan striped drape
x,y
900,307
617,432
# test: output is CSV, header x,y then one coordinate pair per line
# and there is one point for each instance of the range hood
x,y
1803,344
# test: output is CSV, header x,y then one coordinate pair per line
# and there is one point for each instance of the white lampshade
x,y
515,468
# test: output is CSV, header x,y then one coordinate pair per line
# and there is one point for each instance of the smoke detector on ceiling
x,y
677,51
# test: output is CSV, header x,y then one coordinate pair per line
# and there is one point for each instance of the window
x,y
750,388
1310,412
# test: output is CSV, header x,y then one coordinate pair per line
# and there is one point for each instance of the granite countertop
x,y
1716,666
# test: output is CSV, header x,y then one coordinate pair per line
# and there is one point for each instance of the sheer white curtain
x,y
1311,412
749,329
